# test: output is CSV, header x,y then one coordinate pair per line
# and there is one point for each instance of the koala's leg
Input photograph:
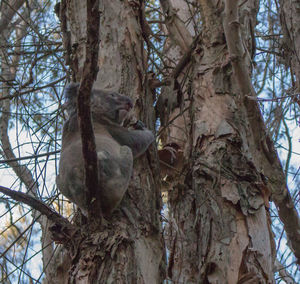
x,y
114,174
70,180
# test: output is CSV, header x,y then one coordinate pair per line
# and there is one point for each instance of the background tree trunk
x,y
220,226
290,22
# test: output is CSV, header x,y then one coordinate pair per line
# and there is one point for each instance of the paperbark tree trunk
x,y
219,229
290,23
128,247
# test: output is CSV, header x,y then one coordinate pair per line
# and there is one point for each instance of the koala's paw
x,y
102,155
139,125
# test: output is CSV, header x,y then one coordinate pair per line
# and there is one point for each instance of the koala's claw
x,y
139,125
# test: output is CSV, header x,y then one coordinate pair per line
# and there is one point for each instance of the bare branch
x,y
17,94
89,75
284,274
186,58
35,204
29,157
175,26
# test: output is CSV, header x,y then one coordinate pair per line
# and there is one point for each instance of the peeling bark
x,y
127,246
219,222
290,22
264,154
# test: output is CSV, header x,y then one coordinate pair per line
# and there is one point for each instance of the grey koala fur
x,y
116,148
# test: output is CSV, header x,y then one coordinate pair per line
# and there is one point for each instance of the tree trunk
x,y
219,229
127,248
290,22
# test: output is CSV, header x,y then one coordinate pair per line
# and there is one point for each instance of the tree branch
x,y
28,157
35,204
18,94
186,58
284,274
176,26
89,75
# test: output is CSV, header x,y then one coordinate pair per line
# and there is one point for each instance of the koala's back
x,y
115,168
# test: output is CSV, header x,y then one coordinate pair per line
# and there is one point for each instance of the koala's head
x,y
105,104
110,105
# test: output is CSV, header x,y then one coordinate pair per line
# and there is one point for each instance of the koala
x,y
116,148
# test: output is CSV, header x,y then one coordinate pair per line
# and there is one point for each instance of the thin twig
x,y
29,157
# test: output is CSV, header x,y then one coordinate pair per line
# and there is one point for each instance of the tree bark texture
x,y
219,230
290,22
127,248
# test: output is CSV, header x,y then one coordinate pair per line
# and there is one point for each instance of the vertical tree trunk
x,y
220,229
290,22
128,247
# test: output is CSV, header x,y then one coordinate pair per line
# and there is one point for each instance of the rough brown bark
x,y
127,247
290,22
266,158
220,226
